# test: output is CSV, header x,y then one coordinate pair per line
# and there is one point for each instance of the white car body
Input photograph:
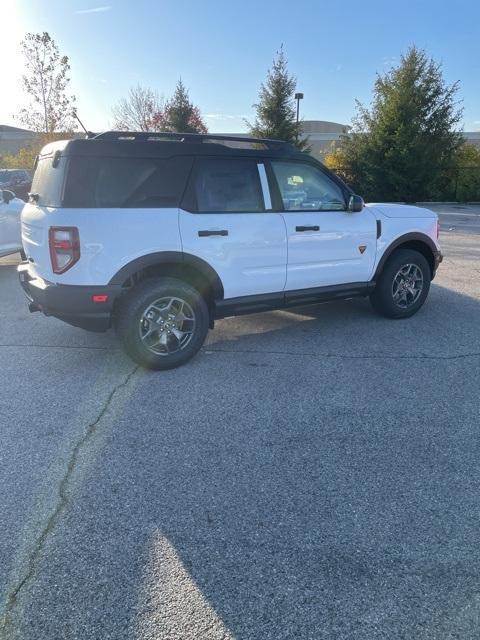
x,y
244,230
10,227
262,253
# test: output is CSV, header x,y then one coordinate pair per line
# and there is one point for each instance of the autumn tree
x,y
45,82
275,111
139,111
402,147
180,114
25,157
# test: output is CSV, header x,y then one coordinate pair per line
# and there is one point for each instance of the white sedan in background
x,y
10,230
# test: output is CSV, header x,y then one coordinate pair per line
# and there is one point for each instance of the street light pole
x,y
298,97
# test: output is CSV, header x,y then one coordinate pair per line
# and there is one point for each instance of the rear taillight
x,y
64,243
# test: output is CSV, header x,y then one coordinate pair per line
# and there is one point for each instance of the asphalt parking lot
x,y
311,474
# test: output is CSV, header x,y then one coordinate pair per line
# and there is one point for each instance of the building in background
x,y
12,139
323,136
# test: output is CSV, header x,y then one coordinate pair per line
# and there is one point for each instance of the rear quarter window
x,y
105,182
48,181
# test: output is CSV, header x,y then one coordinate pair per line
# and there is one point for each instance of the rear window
x,y
126,182
48,181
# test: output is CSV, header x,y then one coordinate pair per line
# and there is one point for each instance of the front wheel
x,y
162,323
403,285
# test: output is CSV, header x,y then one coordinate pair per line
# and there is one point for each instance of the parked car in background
x,y
10,229
17,180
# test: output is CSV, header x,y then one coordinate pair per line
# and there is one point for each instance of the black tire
x,y
382,298
129,324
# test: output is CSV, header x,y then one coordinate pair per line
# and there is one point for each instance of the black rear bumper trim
x,y
71,303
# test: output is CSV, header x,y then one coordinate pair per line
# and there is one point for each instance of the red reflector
x,y
100,298
62,244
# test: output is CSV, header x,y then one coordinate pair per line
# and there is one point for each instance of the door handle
x,y
212,232
314,228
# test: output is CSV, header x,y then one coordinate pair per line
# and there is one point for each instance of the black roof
x,y
151,144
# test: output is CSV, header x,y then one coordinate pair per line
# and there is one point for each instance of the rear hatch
x,y
39,213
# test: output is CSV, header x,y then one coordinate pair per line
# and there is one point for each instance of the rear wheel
x,y
403,285
162,323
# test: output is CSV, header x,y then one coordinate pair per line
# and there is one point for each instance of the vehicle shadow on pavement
x,y
321,481
446,325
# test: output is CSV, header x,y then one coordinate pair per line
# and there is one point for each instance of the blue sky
x,y
222,50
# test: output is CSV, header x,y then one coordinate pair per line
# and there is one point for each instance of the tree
x,y
25,158
401,148
275,110
465,175
139,111
180,115
45,82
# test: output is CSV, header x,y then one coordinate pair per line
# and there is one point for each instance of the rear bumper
x,y
71,303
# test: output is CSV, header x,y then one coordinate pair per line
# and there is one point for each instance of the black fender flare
x,y
415,236
171,257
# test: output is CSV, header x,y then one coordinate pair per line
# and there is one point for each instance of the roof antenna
x,y
88,134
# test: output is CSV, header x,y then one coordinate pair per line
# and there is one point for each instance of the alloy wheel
x,y
407,285
167,326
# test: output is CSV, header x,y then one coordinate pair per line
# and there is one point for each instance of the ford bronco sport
x,y
160,234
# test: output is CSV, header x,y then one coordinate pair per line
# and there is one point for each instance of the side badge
x,y
362,248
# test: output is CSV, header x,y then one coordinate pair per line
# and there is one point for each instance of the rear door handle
x,y
314,228
212,232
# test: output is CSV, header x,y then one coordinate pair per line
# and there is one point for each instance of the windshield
x,y
5,176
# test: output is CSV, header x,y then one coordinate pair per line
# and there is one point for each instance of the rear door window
x,y
228,185
126,182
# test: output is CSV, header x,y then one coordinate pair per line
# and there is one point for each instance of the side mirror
x,y
7,195
355,203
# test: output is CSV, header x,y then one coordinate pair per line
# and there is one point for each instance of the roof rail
x,y
195,138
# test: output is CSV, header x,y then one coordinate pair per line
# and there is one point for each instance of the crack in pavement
x,y
208,350
12,596
377,356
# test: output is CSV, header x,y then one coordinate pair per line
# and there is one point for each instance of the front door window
x,y
303,187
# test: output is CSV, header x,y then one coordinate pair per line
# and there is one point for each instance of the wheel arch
x,y
192,269
417,241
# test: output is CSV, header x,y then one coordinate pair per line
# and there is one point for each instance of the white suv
x,y
161,234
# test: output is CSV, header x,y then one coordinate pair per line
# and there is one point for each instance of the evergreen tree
x,y
275,110
180,115
465,174
403,146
